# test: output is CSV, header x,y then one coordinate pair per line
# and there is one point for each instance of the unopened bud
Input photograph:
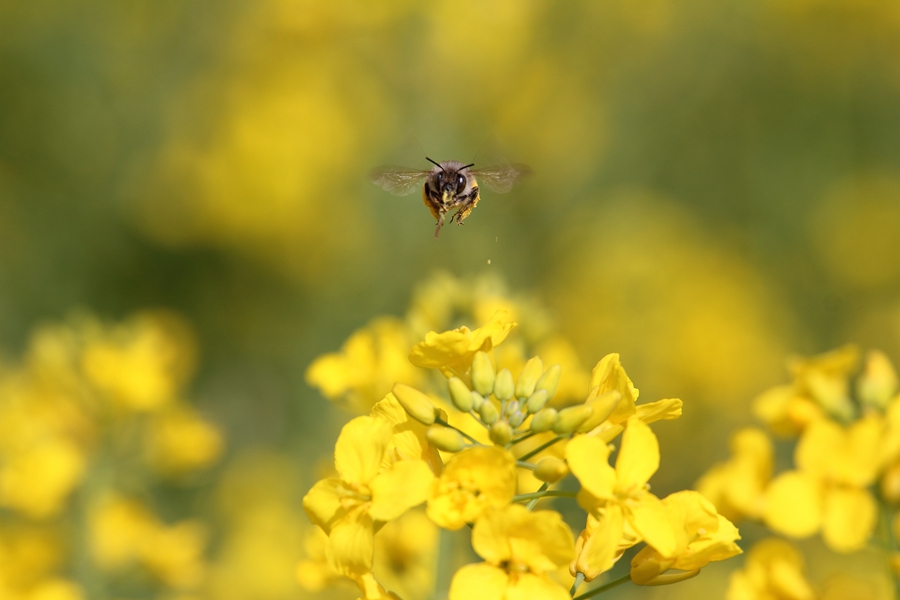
x,y
416,404
551,469
460,394
890,485
504,386
528,378
445,438
570,418
512,407
482,373
477,400
516,419
488,412
501,433
549,381
537,401
544,420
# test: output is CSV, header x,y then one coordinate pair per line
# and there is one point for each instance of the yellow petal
x,y
360,449
609,375
351,544
529,586
481,581
323,503
599,551
662,410
638,457
651,520
406,485
794,504
849,519
587,457
539,540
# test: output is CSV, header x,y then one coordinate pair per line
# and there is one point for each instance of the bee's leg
x,y
466,206
440,223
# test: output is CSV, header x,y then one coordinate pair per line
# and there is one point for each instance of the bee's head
x,y
450,177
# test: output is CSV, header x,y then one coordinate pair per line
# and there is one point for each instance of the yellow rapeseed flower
x,y
348,506
452,351
701,536
473,481
519,548
179,441
829,489
619,496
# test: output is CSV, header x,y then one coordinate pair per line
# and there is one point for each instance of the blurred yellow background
x,y
186,223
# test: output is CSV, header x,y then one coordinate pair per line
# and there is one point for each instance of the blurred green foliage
x,y
716,185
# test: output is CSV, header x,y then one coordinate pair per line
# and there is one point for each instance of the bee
x,y
449,185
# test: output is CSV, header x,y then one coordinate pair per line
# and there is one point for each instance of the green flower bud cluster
x,y
501,402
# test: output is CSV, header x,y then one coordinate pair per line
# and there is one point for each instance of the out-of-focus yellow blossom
x,y
473,481
406,555
313,571
451,351
372,590
829,491
701,536
29,559
519,547
38,481
618,496
367,366
141,364
773,571
346,507
820,385
878,383
736,487
124,532
179,441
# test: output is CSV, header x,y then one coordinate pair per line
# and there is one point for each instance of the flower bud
x,y
549,381
516,419
537,401
477,400
570,418
528,378
482,373
501,433
504,386
445,438
512,407
551,469
488,412
890,485
544,420
460,394
603,406
416,404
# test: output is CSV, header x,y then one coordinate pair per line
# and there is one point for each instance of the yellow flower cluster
x,y
93,410
408,452
844,423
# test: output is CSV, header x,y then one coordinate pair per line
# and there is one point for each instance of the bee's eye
x,y
439,177
460,183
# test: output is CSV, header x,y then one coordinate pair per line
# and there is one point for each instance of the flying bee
x,y
449,185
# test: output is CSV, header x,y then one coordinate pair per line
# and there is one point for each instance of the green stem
x,y
525,465
608,586
533,502
579,579
542,447
461,432
545,494
890,543
523,438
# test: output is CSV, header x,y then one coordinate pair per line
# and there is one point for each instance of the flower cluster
x,y
89,420
846,463
412,449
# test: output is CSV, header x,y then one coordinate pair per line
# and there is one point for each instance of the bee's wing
x,y
501,178
399,181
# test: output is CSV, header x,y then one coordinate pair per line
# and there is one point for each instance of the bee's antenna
x,y
434,163
467,166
